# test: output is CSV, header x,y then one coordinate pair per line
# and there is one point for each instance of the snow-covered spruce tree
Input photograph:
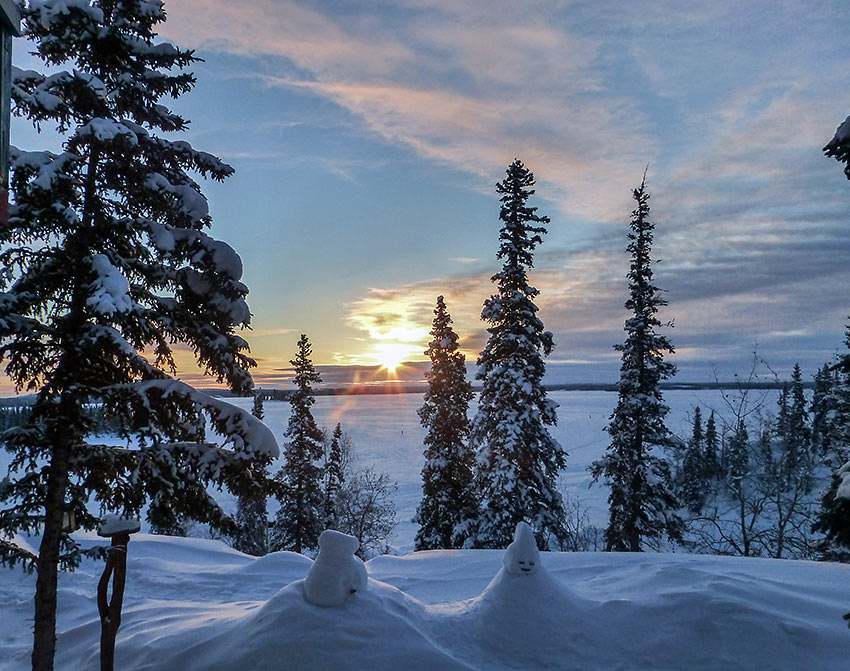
x,y
517,460
821,406
834,442
105,266
447,495
257,409
334,477
299,521
693,477
252,517
788,472
642,504
711,458
834,434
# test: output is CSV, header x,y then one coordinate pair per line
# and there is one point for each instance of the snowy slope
x,y
195,604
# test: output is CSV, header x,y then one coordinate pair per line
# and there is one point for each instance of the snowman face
x,y
519,563
522,556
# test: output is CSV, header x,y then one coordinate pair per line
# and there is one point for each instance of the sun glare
x,y
391,355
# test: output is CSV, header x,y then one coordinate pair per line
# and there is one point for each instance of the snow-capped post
x,y
107,267
118,529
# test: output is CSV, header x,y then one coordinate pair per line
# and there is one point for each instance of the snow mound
x,y
196,605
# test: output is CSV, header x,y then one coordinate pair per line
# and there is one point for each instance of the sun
x,y
390,355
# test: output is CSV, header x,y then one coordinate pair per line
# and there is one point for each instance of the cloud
x,y
469,87
730,105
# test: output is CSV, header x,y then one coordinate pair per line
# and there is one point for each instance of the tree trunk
x,y
44,638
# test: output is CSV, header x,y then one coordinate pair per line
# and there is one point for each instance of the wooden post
x,y
110,609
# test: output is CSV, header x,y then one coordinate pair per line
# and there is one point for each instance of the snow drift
x,y
194,604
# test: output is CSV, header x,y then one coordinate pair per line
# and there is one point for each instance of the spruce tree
x,y
711,457
334,477
252,516
737,453
833,420
299,521
694,471
257,409
517,459
642,505
106,265
821,406
447,497
834,517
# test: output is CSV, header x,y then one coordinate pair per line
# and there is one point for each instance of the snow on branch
x,y
242,431
110,289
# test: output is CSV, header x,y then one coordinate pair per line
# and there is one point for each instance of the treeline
x,y
320,484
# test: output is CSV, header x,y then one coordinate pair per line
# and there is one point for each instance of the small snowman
x,y
337,574
522,556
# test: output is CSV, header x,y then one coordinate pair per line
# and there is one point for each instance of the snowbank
x,y
194,604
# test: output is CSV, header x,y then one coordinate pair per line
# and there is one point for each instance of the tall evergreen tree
x,y
834,518
834,432
642,504
694,472
517,459
252,516
711,459
334,477
299,521
821,405
447,496
737,453
106,264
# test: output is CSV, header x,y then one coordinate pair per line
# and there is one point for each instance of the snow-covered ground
x,y
194,604
197,604
387,434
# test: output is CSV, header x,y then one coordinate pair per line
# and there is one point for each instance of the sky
x,y
367,138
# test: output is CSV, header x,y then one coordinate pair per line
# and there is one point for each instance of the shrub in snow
x,y
337,574
517,460
642,504
760,500
365,508
106,266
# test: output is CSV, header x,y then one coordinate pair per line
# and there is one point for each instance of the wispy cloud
x,y
730,104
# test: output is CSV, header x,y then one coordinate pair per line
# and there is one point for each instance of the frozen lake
x,y
386,433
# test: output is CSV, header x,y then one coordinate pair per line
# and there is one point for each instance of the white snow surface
x,y
112,525
194,604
